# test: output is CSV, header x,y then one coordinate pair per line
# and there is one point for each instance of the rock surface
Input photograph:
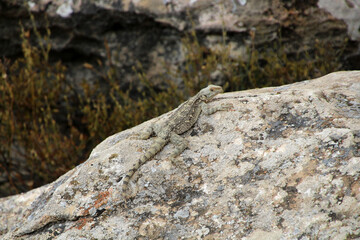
x,y
283,163
150,31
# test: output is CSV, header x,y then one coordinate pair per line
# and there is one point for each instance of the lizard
x,y
180,121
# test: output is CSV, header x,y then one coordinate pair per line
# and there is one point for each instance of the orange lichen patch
x,y
102,199
82,222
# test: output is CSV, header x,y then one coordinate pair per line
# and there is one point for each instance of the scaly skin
x,y
181,120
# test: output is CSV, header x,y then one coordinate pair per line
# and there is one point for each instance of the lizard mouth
x,y
216,90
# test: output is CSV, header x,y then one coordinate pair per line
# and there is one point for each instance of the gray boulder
x,y
284,163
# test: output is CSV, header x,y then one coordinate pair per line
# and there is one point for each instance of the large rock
x,y
150,31
283,163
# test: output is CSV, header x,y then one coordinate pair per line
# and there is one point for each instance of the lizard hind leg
x,y
146,133
157,145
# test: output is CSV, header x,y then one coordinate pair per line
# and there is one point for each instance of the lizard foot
x,y
226,106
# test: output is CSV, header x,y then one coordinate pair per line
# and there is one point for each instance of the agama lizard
x,y
180,121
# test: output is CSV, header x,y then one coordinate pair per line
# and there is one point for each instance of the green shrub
x,y
32,92
270,66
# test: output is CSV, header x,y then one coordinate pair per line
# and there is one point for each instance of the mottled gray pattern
x,y
283,163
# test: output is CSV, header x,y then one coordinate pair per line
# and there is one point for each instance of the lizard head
x,y
208,93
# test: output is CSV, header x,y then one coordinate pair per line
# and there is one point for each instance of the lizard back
x,y
186,116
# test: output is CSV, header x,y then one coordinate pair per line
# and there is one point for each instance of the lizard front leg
x,y
210,110
180,145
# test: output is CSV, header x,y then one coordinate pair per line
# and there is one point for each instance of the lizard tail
x,y
158,144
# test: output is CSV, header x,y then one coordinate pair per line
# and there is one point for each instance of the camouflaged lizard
x,y
180,121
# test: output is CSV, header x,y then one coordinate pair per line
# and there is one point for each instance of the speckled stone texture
x,y
284,163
